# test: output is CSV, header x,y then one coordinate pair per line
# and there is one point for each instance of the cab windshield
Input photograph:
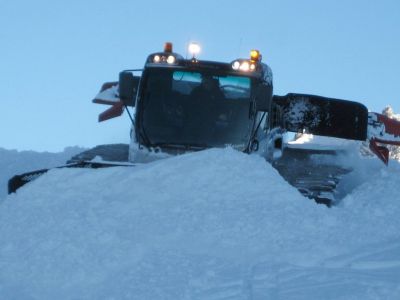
x,y
195,109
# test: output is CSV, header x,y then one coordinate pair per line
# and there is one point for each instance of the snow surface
x,y
13,162
216,224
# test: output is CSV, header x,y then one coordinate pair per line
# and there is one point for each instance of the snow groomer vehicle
x,y
178,105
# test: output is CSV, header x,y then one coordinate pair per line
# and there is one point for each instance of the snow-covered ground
x,y
14,162
216,224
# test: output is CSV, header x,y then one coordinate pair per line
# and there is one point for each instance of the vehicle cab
x,y
189,104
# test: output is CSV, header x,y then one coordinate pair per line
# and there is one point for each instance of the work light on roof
x,y
236,65
166,57
248,65
171,59
244,65
194,49
157,58
163,58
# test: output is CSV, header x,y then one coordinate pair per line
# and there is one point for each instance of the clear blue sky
x,y
54,55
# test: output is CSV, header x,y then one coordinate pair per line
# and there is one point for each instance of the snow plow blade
x,y
20,180
322,116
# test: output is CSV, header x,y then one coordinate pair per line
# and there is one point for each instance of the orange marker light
x,y
168,47
255,55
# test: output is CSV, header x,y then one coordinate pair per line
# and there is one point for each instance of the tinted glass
x,y
194,108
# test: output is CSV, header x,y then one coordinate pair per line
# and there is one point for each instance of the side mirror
x,y
263,97
127,87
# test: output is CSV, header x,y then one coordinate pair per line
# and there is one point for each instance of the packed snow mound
x,y
216,224
14,162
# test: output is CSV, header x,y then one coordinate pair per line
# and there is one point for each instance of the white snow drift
x,y
14,162
216,224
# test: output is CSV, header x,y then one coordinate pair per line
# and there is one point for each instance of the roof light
x,y
171,59
194,49
168,47
156,58
236,65
245,66
255,55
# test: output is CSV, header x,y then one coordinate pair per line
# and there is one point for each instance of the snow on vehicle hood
x,y
215,223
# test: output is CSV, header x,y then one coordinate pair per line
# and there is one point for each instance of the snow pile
x,y
388,111
13,162
216,224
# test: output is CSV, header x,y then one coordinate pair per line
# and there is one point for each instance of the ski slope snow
x,y
14,162
216,224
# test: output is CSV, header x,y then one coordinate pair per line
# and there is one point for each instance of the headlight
x,y
163,58
236,65
245,66
171,59
156,58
